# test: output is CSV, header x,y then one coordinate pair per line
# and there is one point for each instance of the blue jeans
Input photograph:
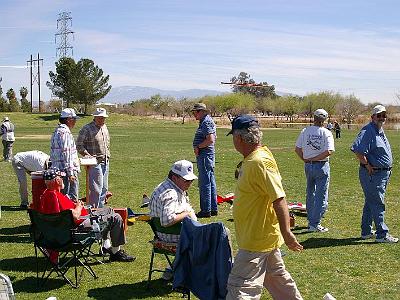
x,y
207,185
71,188
98,184
374,188
317,174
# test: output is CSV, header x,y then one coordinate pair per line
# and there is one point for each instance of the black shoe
x,y
105,251
23,206
214,212
203,214
121,256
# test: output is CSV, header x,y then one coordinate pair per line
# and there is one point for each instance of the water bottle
x,y
96,229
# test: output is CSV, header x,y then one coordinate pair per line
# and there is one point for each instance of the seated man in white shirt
x,y
170,202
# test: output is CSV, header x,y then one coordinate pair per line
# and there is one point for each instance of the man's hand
x,y
192,215
291,242
370,169
196,151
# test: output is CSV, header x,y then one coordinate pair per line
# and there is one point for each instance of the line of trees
x,y
11,103
250,97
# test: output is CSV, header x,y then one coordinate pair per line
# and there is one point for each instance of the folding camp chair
x,y
6,289
164,248
57,233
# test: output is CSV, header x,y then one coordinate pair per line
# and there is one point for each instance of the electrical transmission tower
x,y
63,35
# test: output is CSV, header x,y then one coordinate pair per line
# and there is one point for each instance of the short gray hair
x,y
252,135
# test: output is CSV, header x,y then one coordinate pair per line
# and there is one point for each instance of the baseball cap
x,y
184,168
68,113
378,109
321,113
243,122
6,119
100,112
52,173
199,106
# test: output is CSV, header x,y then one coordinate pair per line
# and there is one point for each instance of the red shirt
x,y
52,201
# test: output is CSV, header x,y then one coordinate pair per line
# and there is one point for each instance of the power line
x,y
63,35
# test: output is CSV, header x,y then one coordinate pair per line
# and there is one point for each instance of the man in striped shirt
x,y
170,202
63,153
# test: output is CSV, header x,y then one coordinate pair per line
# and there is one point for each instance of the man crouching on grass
x,y
53,201
261,220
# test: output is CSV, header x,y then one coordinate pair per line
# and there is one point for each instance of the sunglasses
x,y
381,115
185,180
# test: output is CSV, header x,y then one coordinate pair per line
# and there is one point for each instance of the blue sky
x,y
351,47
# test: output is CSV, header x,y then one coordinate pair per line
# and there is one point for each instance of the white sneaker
x,y
387,239
319,228
368,236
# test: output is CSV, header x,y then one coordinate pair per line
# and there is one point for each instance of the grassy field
x,y
142,153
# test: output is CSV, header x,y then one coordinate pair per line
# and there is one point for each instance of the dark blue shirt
x,y
206,127
373,143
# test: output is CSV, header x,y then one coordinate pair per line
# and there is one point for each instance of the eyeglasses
x,y
381,115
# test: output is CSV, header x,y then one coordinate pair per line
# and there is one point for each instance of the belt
x,y
317,162
377,168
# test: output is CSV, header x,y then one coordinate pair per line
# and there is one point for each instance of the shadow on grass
x,y
15,230
19,234
50,117
21,264
137,290
312,243
12,208
30,285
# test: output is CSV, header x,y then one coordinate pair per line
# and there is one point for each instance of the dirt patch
x,y
35,137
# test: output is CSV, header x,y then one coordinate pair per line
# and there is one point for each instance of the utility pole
x,y
64,46
35,78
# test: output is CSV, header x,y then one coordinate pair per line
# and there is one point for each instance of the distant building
x,y
107,104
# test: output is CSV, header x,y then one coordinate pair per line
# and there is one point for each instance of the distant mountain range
x,y
127,94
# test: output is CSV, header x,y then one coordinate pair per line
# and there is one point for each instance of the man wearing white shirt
x,y
28,162
314,146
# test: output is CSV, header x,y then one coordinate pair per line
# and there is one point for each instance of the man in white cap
x,y
314,146
7,137
63,153
94,141
28,162
372,149
170,201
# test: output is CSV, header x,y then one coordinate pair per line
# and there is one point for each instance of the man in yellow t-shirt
x,y
261,220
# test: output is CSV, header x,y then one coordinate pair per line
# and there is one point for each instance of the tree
x,y
25,105
78,83
244,84
12,101
349,108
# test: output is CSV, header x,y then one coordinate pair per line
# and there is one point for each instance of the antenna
x,y
63,34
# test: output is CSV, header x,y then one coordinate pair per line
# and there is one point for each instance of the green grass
x,y
142,153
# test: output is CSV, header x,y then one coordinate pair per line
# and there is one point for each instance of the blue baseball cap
x,y
52,173
243,122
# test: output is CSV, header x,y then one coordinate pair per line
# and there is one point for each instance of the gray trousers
x,y
20,171
7,150
112,225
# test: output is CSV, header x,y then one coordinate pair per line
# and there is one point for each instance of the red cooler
x,y
38,188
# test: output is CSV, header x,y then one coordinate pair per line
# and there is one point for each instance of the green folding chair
x,y
167,249
58,233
